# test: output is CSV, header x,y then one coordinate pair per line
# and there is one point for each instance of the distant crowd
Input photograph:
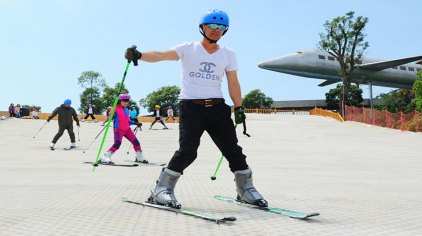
x,y
17,111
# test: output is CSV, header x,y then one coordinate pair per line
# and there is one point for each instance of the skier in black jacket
x,y
66,113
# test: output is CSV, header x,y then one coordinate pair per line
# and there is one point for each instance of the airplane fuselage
x,y
320,65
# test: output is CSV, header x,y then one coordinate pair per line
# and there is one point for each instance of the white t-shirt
x,y
202,73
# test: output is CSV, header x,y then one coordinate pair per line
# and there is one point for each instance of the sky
x,y
47,44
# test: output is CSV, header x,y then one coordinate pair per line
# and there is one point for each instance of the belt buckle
x,y
208,102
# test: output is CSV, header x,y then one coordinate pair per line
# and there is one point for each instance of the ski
x,y
292,214
67,149
197,214
103,164
149,163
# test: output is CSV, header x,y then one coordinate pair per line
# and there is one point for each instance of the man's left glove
x,y
77,124
139,124
133,55
239,115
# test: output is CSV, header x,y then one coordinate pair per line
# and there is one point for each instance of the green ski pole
x,y
219,163
111,116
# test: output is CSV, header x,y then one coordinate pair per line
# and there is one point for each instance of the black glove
x,y
133,55
48,120
77,123
239,115
139,124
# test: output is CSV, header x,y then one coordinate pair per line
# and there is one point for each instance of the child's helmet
x,y
124,96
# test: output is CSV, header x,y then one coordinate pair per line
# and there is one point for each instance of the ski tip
x,y
229,218
135,164
313,214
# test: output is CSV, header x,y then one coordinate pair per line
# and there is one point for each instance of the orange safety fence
x,y
326,113
404,122
275,111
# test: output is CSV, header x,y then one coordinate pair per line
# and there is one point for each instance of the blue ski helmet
x,y
215,17
67,102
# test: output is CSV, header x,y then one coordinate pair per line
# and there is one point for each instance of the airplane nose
x,y
274,64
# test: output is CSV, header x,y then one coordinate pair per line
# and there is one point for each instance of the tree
x,y
344,39
93,96
32,107
397,100
164,96
257,99
109,94
91,79
353,98
417,88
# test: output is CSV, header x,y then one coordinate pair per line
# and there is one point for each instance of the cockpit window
x,y
299,52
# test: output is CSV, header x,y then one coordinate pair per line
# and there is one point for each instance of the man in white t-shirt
x,y
202,108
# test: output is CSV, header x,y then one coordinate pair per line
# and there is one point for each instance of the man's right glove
x,y
133,55
139,124
48,120
239,115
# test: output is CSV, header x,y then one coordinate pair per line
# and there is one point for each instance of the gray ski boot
x,y
163,192
246,192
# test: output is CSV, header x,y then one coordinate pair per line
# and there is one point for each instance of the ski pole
x,y
116,99
219,163
94,139
78,135
130,145
40,129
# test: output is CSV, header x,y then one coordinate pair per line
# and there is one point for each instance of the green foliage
x,y
32,107
88,95
257,99
417,88
164,96
397,100
89,79
353,98
344,39
92,82
109,94
413,125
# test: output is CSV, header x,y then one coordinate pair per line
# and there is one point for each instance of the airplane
x,y
321,65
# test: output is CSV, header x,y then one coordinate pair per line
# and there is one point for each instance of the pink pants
x,y
129,135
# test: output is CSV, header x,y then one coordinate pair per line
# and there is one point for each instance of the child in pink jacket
x,y
122,129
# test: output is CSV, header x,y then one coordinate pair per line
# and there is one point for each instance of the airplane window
x,y
411,69
321,57
330,58
402,68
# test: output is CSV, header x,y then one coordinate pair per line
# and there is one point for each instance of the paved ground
x,y
363,180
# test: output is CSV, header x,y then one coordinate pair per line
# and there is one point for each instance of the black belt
x,y
205,102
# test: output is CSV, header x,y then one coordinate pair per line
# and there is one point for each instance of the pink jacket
x,y
121,118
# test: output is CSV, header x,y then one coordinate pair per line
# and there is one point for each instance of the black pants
x,y
158,119
216,120
89,115
62,128
135,120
